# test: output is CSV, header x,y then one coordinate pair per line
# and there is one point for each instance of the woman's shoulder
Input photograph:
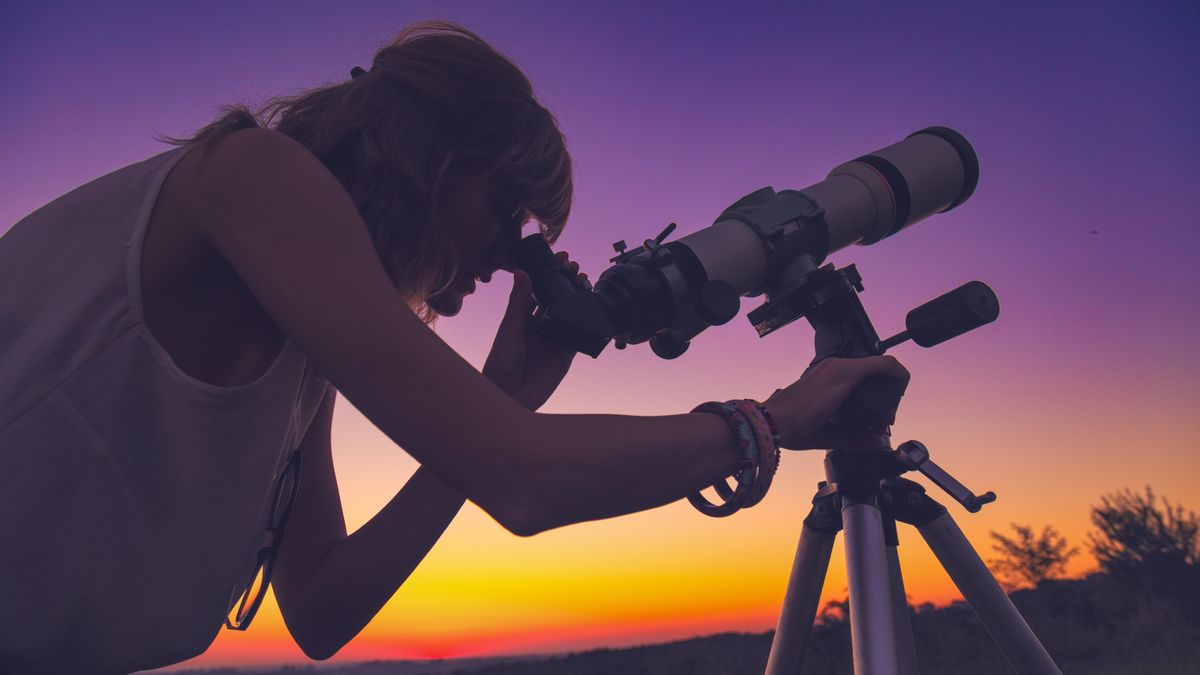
x,y
224,181
247,156
255,144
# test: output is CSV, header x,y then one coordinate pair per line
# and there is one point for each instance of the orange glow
x,y
1048,451
668,573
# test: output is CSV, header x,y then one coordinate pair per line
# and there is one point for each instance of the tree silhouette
x,y
1137,537
834,612
1027,558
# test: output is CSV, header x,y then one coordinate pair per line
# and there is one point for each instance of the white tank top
x,y
133,497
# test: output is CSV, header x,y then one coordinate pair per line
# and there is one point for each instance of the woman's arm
x,y
328,584
293,235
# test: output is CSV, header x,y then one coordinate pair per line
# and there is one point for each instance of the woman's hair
x,y
438,97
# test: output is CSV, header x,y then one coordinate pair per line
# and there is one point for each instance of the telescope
x,y
775,244
767,242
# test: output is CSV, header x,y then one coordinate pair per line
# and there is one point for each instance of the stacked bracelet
x,y
768,451
762,408
758,440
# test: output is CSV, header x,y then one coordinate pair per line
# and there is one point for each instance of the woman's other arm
x,y
329,585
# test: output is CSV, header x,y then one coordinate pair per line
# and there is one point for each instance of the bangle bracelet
x,y
747,440
768,459
759,441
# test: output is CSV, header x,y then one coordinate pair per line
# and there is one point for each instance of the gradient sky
x,y
1083,119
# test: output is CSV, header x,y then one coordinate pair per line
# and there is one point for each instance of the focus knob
x,y
667,346
717,303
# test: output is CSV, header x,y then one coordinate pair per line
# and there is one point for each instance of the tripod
x,y
864,495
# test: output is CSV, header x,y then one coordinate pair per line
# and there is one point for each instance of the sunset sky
x,y
1085,222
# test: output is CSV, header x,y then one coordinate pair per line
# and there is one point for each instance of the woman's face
x,y
481,221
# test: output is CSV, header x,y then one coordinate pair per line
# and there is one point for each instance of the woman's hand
x,y
802,410
522,363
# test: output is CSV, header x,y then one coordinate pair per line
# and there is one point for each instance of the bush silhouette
x,y
1027,558
1134,533
1147,546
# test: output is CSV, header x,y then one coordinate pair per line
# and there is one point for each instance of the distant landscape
x,y
1140,614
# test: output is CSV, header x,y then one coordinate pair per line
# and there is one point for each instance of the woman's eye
x,y
506,214
500,253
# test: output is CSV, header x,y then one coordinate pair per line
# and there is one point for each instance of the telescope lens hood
x,y
966,153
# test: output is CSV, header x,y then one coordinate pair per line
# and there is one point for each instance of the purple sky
x,y
1082,115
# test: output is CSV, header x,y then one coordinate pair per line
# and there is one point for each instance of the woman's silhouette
x,y
173,334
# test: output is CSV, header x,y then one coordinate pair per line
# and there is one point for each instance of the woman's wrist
x,y
757,440
782,424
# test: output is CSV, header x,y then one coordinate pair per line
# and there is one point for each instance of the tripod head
x,y
828,298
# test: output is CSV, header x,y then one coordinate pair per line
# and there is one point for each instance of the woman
x,y
172,336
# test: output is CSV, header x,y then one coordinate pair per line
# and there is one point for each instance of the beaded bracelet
x,y
758,440
768,451
776,441
770,423
747,442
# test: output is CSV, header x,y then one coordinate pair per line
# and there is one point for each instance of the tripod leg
x,y
800,602
804,585
871,622
906,646
994,609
